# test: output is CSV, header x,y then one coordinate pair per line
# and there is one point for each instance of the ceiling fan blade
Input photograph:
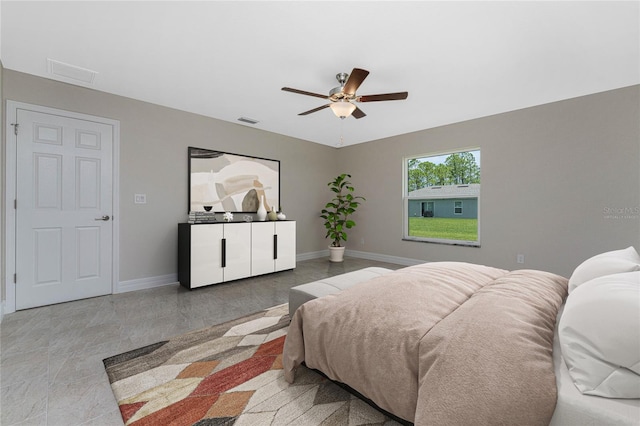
x,y
303,92
314,110
385,97
357,113
354,81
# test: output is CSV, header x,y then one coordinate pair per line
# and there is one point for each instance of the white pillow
x,y
612,262
599,334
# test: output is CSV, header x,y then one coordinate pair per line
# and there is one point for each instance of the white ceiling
x,y
457,60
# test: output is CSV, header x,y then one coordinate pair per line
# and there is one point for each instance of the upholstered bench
x,y
332,285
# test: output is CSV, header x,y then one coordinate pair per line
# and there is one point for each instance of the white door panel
x,y
63,189
48,181
88,183
88,247
47,246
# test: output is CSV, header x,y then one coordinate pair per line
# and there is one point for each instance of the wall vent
x,y
72,72
248,120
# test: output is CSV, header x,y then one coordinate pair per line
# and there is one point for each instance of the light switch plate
x,y
140,198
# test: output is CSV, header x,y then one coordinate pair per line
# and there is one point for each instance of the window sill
x,y
475,244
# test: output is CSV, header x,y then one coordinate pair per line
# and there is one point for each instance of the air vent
x,y
72,72
248,120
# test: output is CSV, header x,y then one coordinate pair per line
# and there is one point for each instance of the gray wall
x,y
153,161
548,175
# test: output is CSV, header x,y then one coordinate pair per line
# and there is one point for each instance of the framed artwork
x,y
228,182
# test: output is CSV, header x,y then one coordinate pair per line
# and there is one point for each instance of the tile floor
x,y
51,370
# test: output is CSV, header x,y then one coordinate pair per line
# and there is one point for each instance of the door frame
x,y
11,170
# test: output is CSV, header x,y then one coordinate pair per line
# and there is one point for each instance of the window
x,y
442,198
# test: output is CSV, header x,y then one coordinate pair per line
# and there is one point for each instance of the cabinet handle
x,y
275,246
224,252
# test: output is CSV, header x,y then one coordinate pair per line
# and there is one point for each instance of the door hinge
x,y
15,278
15,204
15,128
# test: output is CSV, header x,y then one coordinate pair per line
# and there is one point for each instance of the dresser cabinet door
x,y
262,256
206,255
286,246
237,237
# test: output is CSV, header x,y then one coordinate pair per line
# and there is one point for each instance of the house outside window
x,y
441,198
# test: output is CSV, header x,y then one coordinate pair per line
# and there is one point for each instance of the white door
x,y
64,231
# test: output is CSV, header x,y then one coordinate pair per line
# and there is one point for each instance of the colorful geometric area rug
x,y
229,374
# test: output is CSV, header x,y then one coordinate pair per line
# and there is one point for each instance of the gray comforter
x,y
443,343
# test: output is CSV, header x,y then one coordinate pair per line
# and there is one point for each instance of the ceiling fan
x,y
343,96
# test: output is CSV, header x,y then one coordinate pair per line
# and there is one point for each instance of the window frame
x,y
406,199
455,207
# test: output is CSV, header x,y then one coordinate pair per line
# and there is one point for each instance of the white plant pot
x,y
336,254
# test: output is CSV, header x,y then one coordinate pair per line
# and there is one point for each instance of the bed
x,y
574,408
452,343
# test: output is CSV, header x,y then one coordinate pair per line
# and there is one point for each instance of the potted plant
x,y
336,214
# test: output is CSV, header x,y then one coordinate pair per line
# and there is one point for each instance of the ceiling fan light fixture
x,y
342,109
342,97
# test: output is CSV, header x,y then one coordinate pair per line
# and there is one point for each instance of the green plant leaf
x,y
337,211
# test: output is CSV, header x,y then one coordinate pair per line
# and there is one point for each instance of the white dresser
x,y
211,253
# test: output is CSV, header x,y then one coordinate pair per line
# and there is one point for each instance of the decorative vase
x,y
336,254
272,215
262,212
281,216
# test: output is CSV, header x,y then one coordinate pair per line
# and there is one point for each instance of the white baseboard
x,y
170,279
362,255
383,257
163,280
312,255
146,283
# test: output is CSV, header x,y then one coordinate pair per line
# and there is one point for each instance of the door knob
x,y
105,218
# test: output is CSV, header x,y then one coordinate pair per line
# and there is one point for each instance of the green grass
x,y
444,228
